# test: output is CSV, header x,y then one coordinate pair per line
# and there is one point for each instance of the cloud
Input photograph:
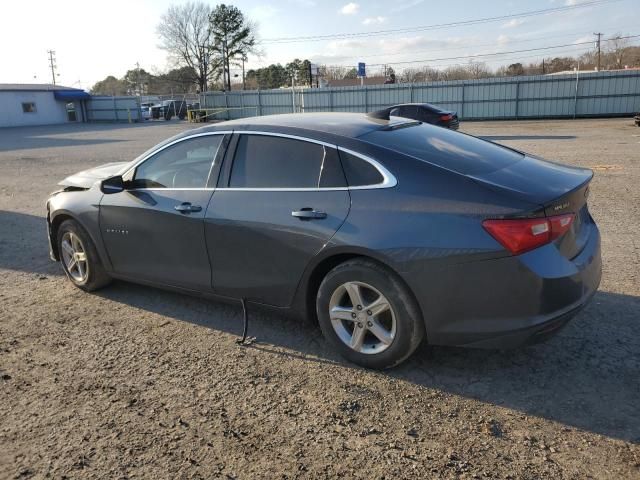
x,y
503,39
514,22
262,12
350,9
374,20
401,5
305,3
586,38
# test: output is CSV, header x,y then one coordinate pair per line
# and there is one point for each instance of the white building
x,y
41,104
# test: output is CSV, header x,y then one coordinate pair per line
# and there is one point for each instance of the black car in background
x,y
427,113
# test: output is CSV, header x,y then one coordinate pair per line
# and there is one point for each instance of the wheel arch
x,y
57,218
55,221
308,290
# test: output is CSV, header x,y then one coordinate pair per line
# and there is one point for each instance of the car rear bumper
x,y
511,301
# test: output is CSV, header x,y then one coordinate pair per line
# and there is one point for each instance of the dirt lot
x,y
133,382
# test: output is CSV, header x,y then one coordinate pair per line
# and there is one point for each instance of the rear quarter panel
x,y
425,226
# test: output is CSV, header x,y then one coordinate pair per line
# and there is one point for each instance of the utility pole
x,y
52,64
138,83
205,62
599,35
226,70
244,86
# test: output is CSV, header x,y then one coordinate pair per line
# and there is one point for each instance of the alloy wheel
x,y
74,257
362,317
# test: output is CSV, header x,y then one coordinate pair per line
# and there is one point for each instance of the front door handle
x,y
186,207
308,213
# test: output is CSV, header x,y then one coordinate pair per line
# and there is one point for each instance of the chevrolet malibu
x,y
388,231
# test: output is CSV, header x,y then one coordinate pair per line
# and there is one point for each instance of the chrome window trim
x,y
284,189
389,180
162,189
195,135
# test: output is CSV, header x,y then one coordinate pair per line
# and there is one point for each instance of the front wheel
x,y
367,313
79,257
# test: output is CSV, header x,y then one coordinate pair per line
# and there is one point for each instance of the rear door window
x,y
265,161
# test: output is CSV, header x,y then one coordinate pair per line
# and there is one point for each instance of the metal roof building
x,y
41,104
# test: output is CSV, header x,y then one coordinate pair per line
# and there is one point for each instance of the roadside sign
x,y
361,70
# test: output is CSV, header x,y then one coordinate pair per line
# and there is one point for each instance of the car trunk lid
x,y
558,189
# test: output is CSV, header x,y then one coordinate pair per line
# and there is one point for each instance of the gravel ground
x,y
132,382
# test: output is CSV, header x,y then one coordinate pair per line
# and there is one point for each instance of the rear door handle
x,y
186,207
308,213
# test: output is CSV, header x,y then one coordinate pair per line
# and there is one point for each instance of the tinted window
x,y
406,111
183,165
359,172
263,161
462,153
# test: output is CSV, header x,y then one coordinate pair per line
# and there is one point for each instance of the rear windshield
x,y
462,153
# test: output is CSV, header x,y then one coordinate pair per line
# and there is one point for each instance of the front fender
x,y
83,206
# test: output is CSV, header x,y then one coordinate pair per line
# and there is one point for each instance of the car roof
x,y
351,125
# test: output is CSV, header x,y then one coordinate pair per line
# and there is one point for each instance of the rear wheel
x,y
367,313
79,257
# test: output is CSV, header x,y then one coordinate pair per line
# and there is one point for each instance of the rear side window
x,y
264,161
458,152
359,172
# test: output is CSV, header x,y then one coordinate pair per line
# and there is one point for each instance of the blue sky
x,y
94,39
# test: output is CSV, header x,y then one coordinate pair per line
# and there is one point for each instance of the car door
x,y
280,199
154,229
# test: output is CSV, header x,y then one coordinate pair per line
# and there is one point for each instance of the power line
x,y
531,13
459,47
498,53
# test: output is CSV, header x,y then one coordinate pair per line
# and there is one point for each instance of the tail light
x,y
521,235
446,118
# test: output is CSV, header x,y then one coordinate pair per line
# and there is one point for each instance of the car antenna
x,y
380,114
245,325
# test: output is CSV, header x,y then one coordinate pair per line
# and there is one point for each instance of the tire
x,y
402,321
90,275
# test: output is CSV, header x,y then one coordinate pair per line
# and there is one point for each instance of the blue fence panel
x,y
541,96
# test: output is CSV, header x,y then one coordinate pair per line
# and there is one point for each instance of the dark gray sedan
x,y
387,231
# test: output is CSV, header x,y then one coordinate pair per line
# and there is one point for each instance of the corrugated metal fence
x,y
113,109
541,96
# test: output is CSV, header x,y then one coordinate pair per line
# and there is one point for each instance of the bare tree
x,y
185,34
616,47
478,70
330,72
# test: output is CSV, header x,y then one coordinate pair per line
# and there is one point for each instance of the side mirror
x,y
112,185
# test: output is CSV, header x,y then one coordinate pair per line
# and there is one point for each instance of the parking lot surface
x,y
132,381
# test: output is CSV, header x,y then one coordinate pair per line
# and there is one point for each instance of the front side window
x,y
29,107
185,164
264,161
